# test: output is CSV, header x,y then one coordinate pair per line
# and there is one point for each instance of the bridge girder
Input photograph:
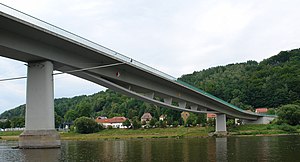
x,y
27,42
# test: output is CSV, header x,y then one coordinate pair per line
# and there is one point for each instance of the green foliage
x,y
13,113
70,116
84,109
271,111
5,124
201,119
86,125
230,122
211,122
289,114
175,124
58,121
136,124
288,128
162,124
18,122
127,123
271,83
192,120
152,122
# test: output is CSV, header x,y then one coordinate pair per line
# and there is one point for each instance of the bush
x,y
136,124
127,123
162,124
289,114
175,124
152,122
86,125
288,128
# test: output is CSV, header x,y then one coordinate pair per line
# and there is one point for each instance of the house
x,y
210,116
185,115
261,110
115,122
162,117
146,117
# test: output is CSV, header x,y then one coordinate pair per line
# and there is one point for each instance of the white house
x,y
115,122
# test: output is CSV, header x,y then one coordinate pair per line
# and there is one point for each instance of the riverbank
x,y
180,132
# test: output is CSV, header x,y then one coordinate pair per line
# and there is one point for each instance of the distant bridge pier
x,y
221,124
39,118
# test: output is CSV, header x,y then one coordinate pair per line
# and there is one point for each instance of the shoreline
x,y
74,138
156,133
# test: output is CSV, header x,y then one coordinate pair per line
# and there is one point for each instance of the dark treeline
x,y
270,83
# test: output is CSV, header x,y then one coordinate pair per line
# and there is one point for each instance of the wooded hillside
x,y
272,82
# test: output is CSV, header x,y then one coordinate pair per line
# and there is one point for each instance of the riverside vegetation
x,y
178,132
273,83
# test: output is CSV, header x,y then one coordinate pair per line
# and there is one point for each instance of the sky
x,y
174,36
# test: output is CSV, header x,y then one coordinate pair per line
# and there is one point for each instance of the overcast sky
x,y
174,36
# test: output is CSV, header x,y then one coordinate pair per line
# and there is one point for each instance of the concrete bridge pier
x,y
39,118
221,124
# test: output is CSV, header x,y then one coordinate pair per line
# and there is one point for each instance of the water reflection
x,y
221,149
47,155
283,148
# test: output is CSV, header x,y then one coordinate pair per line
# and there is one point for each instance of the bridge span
x,y
46,48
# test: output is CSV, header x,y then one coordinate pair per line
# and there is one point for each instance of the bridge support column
x,y
39,119
221,124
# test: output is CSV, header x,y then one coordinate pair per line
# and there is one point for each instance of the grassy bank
x,y
263,129
180,132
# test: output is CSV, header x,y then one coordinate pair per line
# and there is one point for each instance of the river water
x,y
271,148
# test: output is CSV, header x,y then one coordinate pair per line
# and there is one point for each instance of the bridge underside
x,y
29,45
37,42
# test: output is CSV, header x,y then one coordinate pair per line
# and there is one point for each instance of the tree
x,y
71,115
18,122
191,120
84,109
271,111
175,124
58,120
127,123
86,125
162,124
289,114
201,119
136,124
152,122
5,124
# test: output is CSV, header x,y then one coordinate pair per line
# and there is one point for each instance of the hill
x,y
270,83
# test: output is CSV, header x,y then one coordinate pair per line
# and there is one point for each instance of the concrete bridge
x,y
46,48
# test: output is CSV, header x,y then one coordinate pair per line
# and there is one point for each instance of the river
x,y
263,148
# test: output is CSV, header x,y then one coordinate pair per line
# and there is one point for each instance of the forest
x,y
271,83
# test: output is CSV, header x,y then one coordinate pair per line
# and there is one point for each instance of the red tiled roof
x,y
261,110
209,115
112,120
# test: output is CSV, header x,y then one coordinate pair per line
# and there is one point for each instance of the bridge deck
x,y
29,39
